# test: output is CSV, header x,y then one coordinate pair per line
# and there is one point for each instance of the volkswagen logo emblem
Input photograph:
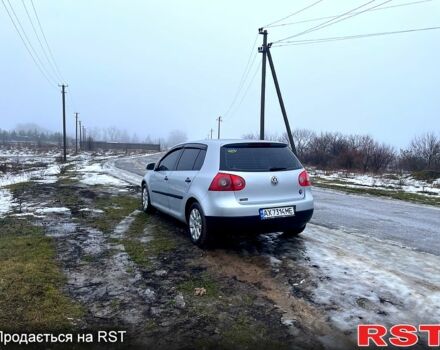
x,y
274,180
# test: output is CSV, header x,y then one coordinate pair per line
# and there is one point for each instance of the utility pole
x,y
84,136
280,99
63,93
76,132
219,119
211,132
80,135
263,50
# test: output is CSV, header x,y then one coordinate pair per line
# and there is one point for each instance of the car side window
x,y
200,159
188,159
170,161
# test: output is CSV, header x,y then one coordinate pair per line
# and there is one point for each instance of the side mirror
x,y
150,166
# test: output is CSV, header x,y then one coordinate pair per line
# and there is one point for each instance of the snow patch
x,y
127,176
97,211
61,210
96,167
391,182
47,175
124,225
371,281
101,179
94,174
6,201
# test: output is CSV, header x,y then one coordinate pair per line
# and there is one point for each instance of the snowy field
x,y
390,181
24,165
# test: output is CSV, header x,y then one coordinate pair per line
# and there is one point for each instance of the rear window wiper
x,y
277,169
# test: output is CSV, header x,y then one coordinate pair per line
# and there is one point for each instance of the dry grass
x,y
31,281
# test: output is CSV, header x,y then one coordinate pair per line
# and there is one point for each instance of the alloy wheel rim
x,y
195,224
145,198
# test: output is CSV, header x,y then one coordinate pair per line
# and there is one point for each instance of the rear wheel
x,y
146,202
294,231
198,230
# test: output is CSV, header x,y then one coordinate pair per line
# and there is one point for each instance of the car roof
x,y
221,142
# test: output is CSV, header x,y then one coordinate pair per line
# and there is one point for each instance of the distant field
x,y
402,187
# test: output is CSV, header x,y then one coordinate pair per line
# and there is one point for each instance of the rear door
x,y
159,181
186,170
270,170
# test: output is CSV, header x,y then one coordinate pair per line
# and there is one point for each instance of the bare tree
x,y
250,136
113,134
383,155
302,138
366,148
426,147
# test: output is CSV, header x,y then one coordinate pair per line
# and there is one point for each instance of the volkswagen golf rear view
x,y
217,186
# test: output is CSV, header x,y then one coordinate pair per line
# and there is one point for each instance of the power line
x,y
37,56
349,37
244,75
330,17
45,40
30,44
247,88
332,21
39,40
292,14
352,15
242,84
27,47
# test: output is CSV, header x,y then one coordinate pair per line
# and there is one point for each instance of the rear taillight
x,y
227,182
304,179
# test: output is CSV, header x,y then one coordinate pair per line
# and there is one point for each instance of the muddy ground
x,y
138,272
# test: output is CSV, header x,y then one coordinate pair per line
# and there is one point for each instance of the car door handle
x,y
166,178
188,180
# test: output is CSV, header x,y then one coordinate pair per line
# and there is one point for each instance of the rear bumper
x,y
225,204
254,224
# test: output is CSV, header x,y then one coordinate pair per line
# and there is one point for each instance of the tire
x,y
197,227
294,231
145,200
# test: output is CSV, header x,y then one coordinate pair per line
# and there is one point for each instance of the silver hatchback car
x,y
224,185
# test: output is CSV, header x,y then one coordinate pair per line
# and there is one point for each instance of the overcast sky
x,y
154,66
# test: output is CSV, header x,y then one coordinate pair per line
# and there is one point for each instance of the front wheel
x,y
198,230
146,202
294,231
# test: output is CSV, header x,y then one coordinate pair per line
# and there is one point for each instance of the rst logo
x,y
400,335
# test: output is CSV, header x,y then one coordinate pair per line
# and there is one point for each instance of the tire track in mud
x,y
257,262
100,274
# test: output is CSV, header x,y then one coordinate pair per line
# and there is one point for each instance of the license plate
x,y
271,213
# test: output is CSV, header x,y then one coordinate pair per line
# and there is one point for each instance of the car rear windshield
x,y
257,157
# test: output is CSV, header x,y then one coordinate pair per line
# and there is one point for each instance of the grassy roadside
x,y
401,195
31,281
142,252
115,208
